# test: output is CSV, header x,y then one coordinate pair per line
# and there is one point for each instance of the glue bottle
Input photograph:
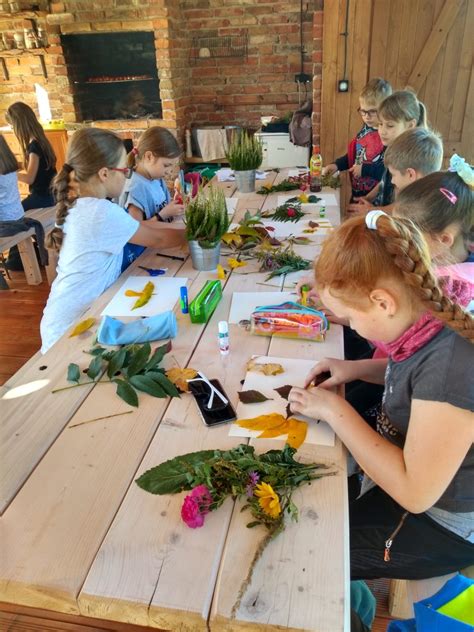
x,y
223,337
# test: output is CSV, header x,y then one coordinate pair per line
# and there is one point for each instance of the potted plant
x,y
206,221
245,156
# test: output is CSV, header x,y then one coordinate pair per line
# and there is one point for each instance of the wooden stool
x,y
403,593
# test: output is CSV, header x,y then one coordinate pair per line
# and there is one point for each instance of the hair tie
x,y
134,151
58,226
372,217
462,168
67,168
449,195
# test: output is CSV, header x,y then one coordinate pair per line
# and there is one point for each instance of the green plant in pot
x,y
245,156
206,221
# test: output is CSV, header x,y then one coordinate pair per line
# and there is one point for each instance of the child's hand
x,y
356,170
328,170
316,403
173,209
332,318
361,207
312,293
342,371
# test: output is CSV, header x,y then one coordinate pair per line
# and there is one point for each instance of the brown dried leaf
x,y
312,224
179,376
252,397
283,391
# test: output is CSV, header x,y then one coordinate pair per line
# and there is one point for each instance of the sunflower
x,y
268,499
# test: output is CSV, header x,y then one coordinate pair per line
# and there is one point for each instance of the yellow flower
x,y
234,263
220,272
268,499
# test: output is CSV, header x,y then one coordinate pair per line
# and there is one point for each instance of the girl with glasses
x,y
90,231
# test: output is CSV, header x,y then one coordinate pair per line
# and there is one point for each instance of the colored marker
x,y
304,295
184,299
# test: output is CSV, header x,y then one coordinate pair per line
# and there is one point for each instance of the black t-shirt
x,y
42,182
441,371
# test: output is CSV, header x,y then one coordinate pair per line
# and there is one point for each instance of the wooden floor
x,y
21,308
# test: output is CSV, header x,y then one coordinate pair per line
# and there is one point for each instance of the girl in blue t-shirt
x,y
146,197
90,231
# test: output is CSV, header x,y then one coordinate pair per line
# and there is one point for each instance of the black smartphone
x,y
218,413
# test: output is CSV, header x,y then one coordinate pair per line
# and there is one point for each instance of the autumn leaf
x,y
221,273
179,376
296,432
312,224
81,327
145,295
262,422
322,377
252,397
277,431
235,263
132,293
268,368
284,391
275,425
232,238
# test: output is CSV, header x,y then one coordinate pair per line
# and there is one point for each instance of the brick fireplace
x,y
217,61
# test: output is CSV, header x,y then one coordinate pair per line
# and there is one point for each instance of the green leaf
x,y
139,359
168,386
158,356
126,392
253,524
116,362
173,476
73,373
95,367
147,385
97,351
252,397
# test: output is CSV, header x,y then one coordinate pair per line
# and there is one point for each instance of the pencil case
x,y
289,320
203,306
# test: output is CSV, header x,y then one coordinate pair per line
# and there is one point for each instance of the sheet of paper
x,y
244,303
327,199
295,374
285,229
227,175
301,171
231,204
164,298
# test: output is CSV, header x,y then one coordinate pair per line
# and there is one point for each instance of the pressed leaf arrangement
x,y
206,217
282,260
132,368
287,212
245,152
249,232
142,297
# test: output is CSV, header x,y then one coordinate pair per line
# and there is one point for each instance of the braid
x,y
64,193
404,243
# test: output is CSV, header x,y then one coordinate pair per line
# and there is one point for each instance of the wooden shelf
x,y
195,160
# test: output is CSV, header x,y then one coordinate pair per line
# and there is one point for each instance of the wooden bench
x,y
26,249
404,593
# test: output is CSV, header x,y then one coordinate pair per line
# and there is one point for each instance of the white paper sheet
x,y
327,199
164,298
295,373
227,175
292,173
285,229
244,303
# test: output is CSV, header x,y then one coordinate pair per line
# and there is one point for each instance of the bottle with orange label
x,y
315,170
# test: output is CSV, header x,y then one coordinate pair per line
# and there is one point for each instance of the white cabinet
x,y
279,151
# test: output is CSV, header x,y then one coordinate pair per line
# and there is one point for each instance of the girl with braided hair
x,y
90,232
416,517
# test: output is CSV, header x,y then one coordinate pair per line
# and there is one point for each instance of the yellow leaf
x,y
145,295
179,376
271,433
269,368
220,272
296,432
262,422
232,238
303,198
132,293
235,263
81,327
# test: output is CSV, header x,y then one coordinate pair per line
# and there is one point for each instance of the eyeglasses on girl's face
x,y
127,171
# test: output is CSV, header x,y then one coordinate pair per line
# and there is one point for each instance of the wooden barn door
x,y
422,44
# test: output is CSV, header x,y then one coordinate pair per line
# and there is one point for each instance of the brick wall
x,y
211,90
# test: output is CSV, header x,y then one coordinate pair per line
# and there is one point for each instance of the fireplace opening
x,y
114,75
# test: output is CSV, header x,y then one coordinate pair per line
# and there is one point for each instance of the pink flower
x,y
291,212
196,506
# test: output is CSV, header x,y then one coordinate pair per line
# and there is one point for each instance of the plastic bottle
x,y
315,170
223,337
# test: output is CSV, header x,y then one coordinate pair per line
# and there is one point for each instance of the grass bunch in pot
x,y
245,156
206,221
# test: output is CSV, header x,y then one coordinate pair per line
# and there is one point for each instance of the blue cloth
x,y
363,602
115,332
427,619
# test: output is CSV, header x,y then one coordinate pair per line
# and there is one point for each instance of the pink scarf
x,y
417,336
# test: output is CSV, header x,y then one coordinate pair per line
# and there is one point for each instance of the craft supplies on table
x,y
326,199
165,295
203,306
244,303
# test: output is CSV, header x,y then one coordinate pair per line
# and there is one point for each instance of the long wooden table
x,y
81,543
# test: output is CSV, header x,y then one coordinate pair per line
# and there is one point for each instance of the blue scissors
x,y
154,271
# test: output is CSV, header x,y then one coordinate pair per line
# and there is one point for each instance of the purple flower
x,y
254,477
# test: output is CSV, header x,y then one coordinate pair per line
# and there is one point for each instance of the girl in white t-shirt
x,y
90,232
10,203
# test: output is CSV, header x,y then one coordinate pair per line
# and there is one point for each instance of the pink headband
x,y
134,151
449,195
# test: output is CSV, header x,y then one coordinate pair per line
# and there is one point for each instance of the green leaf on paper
x,y
126,392
252,397
73,373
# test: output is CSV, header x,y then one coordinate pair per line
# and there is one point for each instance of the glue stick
x,y
223,337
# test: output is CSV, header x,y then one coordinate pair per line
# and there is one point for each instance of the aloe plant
x,y
206,217
245,152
